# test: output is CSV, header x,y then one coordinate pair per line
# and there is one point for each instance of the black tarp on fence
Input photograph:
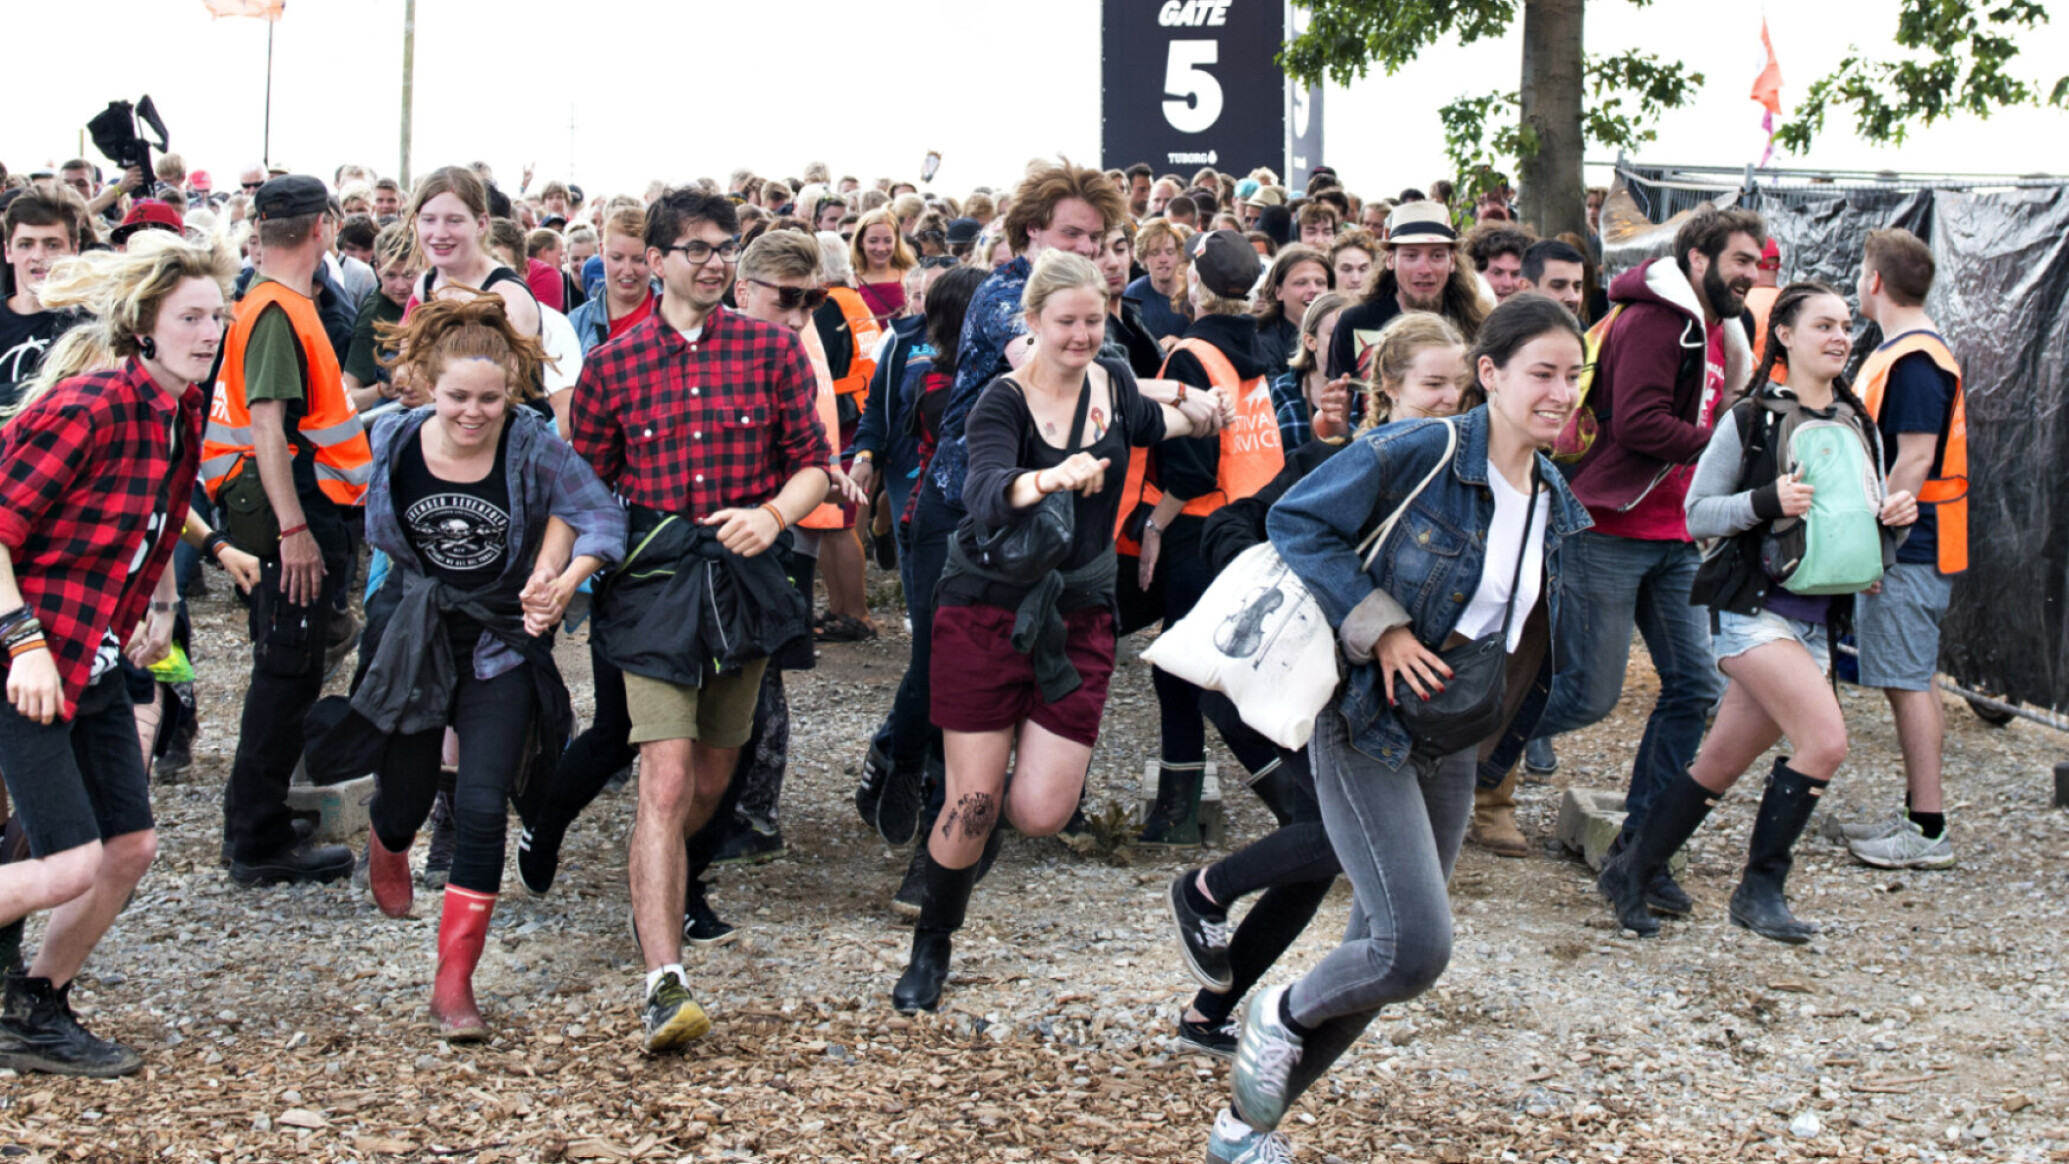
x,y
2002,300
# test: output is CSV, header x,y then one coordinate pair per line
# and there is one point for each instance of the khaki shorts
x,y
719,714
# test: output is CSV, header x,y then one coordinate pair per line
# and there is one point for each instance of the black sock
x,y
1932,824
1286,1017
1199,902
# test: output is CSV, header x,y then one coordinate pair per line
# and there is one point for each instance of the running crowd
x,y
1061,410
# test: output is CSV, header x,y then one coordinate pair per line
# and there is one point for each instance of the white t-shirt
x,y
1504,538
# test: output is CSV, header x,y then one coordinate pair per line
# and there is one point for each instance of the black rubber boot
x,y
941,915
1174,819
1680,809
1282,792
1757,904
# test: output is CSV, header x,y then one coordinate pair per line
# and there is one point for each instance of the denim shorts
x,y
1739,633
1899,629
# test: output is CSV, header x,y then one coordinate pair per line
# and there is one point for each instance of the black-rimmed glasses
x,y
699,252
790,298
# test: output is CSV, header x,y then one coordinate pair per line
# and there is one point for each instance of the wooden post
x,y
409,74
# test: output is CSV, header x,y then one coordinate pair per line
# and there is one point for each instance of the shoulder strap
x,y
1508,613
1372,545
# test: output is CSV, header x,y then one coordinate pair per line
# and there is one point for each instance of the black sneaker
x,y
700,926
898,811
671,1017
876,770
445,838
538,857
298,864
748,845
1202,937
39,1032
1217,1039
912,888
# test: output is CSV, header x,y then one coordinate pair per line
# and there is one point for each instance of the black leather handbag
x,y
1029,548
1469,708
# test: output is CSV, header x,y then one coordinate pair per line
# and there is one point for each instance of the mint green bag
x,y
1835,548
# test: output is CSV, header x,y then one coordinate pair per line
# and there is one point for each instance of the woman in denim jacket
x,y
1395,816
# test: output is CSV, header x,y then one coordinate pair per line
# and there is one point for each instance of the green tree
x,y
1567,99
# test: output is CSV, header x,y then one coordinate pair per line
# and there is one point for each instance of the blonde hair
x,y
902,258
1390,357
1207,302
393,245
1325,305
1157,231
833,257
981,207
1056,271
120,292
908,206
474,327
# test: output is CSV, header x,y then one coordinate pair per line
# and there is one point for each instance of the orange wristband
x,y
776,513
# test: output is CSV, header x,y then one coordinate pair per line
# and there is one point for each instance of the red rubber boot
x,y
462,931
387,875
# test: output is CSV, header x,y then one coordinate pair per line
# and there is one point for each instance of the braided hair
x,y
1787,306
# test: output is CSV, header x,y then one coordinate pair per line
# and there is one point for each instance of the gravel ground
x,y
1930,1021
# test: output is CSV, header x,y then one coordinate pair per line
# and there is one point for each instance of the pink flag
x,y
1767,89
263,9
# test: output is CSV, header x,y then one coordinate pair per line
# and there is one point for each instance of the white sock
x,y
1228,1127
654,976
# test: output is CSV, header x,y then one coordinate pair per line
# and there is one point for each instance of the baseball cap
x,y
964,231
291,196
1771,256
1420,222
147,214
1227,264
1266,196
199,180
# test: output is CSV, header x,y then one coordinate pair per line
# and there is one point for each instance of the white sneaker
x,y
1906,848
1875,830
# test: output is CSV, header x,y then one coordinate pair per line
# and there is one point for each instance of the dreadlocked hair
x,y
119,293
1788,304
472,328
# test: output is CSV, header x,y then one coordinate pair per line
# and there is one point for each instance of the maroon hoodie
x,y
1649,385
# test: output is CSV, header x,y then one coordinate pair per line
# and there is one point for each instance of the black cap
x,y
1227,264
291,196
964,231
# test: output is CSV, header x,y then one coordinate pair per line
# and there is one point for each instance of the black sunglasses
x,y
789,298
253,185
933,261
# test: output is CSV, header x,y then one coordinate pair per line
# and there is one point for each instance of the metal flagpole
x,y
266,147
409,74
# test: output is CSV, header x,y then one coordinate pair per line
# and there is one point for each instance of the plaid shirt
x,y
693,428
82,472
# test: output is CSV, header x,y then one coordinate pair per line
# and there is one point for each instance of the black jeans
x,y
494,720
597,754
1186,578
288,644
910,727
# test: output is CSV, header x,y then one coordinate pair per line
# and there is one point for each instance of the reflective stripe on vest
x,y
864,331
1947,490
1251,452
330,424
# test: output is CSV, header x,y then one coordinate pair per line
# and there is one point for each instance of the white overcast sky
x,y
615,92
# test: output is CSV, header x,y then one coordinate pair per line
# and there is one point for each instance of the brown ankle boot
x,y
1494,820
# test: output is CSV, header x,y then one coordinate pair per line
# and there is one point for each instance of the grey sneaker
x,y
1875,830
1905,848
1234,1142
1266,1054
672,1017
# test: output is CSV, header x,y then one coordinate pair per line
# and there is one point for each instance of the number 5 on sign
x,y
1198,104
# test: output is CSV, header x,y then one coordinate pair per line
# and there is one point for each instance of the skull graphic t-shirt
x,y
460,529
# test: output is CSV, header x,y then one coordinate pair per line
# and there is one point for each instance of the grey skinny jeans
x,y
1397,834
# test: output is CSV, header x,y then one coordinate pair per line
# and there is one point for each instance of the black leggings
x,y
494,720
598,754
1294,865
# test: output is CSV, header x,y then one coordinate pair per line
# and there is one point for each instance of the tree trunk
x,y
1554,197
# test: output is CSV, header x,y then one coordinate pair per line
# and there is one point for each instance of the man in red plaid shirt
x,y
708,415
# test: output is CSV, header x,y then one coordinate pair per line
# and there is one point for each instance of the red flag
x,y
263,9
1767,89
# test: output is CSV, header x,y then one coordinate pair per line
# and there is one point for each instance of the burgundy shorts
x,y
981,684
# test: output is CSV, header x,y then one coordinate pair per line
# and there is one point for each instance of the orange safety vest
x,y
1760,302
1947,489
864,330
828,515
1251,453
330,424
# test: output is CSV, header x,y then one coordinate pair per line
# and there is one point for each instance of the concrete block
x,y
339,810
1213,817
1589,820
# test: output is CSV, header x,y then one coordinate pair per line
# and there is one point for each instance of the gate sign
x,y
1191,83
1303,115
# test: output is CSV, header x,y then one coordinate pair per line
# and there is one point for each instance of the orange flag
x,y
1767,89
263,9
